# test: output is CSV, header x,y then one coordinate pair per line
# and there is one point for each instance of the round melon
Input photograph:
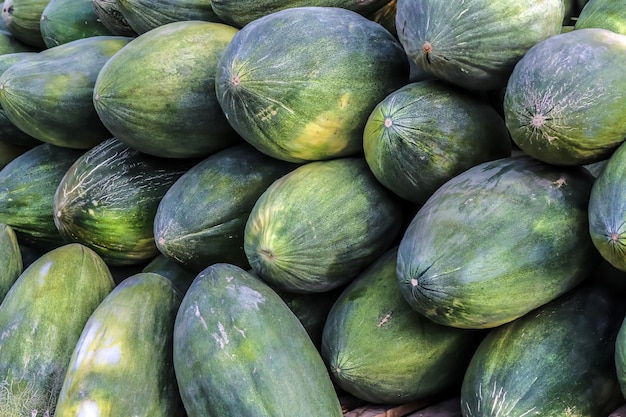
x,y
426,132
474,44
564,103
300,83
172,69
145,15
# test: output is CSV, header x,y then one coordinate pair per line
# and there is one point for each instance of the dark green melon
x,y
63,21
223,187
122,364
108,11
605,14
474,44
300,83
178,117
424,133
607,210
50,96
240,351
41,319
11,262
498,241
564,103
554,361
108,198
319,226
9,133
240,13
145,15
381,350
22,19
27,187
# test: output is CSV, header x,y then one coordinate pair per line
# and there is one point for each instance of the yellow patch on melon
x,y
326,134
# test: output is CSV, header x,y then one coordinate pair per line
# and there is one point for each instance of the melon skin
x,y
424,133
122,364
382,351
474,44
181,118
498,241
563,103
607,210
240,351
38,333
555,361
299,84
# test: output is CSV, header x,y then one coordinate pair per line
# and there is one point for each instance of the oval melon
x,y
240,351
122,363
382,351
474,44
223,187
497,241
319,226
41,319
555,361
108,198
299,84
178,117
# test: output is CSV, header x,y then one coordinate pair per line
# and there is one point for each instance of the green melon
x,y
11,262
27,187
50,96
223,187
122,365
145,15
607,210
240,13
319,226
382,351
497,241
424,133
9,133
41,320
474,44
604,14
240,351
554,361
564,103
180,116
300,83
63,21
108,198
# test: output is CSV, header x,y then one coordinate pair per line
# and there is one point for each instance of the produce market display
x,y
290,208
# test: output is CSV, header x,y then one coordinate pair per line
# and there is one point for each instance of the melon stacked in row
x,y
309,202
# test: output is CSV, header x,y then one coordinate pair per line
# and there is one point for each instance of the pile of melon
x,y
259,208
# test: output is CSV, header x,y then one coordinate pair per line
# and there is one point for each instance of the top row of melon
x,y
46,23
